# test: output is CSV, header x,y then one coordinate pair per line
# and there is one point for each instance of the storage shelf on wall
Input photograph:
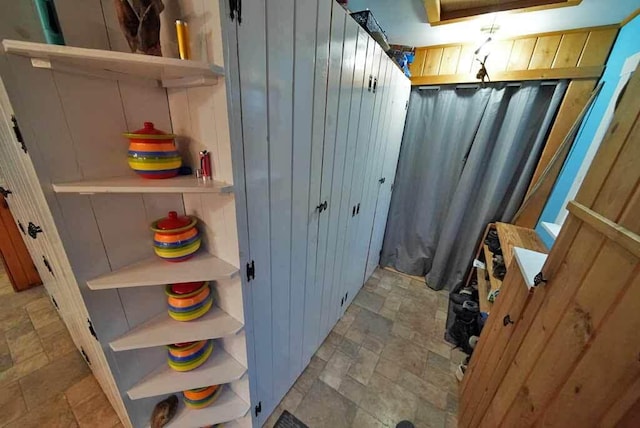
x,y
219,369
530,263
164,330
155,271
552,228
134,184
226,408
170,72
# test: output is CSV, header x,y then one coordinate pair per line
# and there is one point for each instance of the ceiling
x,y
405,21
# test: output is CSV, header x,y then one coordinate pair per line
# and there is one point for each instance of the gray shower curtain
x,y
467,157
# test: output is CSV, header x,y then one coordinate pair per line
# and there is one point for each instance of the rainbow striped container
x,y
176,239
183,357
201,397
189,306
153,153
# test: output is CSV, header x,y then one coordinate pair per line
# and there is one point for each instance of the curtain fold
x,y
466,160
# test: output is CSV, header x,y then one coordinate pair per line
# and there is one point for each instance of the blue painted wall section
x,y
625,45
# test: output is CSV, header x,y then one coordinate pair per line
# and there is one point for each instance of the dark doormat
x,y
287,420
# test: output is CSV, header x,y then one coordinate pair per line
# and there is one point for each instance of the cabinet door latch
x,y
18,133
382,180
46,264
539,279
5,192
251,271
33,230
258,408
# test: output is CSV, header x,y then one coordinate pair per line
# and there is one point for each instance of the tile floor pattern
x,y
44,382
385,361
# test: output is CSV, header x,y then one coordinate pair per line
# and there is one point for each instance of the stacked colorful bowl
x,y
188,300
201,397
176,238
183,357
153,153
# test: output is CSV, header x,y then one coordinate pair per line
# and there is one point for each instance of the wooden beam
x,y
592,72
509,7
616,233
433,10
630,17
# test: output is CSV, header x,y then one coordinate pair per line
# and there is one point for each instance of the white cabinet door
x,y
352,268
401,87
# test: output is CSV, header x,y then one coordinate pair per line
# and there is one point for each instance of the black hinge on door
x,y
53,300
370,83
235,8
21,228
47,265
251,271
322,207
91,329
341,302
85,356
382,180
346,296
358,208
16,130
353,211
375,84
34,230
5,192
258,408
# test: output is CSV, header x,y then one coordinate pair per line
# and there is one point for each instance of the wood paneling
x,y
544,52
568,53
569,50
572,354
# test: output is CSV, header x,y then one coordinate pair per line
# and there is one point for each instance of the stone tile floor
x,y
385,361
44,382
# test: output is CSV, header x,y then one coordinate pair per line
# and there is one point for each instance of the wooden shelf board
x,y
511,236
155,271
530,263
488,257
219,369
172,72
552,228
164,330
136,184
483,290
226,408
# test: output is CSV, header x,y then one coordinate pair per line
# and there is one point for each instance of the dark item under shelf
x,y
367,21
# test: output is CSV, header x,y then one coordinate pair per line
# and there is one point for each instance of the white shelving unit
x,y
227,407
552,228
164,330
530,263
170,72
154,271
219,369
135,184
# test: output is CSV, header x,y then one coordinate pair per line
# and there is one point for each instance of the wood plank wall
x,y
571,356
576,54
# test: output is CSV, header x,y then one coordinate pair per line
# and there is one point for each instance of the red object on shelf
x,y
172,221
185,287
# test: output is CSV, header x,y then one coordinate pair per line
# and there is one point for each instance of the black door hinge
x,y
21,228
235,7
346,296
5,192
353,211
258,408
358,208
341,302
47,265
382,180
91,329
406,106
251,271
18,133
53,300
370,83
539,279
34,230
85,356
375,84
